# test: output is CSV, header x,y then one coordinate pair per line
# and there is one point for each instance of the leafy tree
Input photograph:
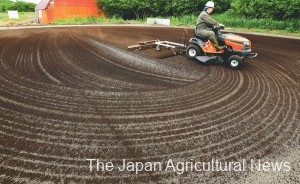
x,y
132,9
19,5
272,9
222,5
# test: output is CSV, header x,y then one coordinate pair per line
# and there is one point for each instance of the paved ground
x,y
71,94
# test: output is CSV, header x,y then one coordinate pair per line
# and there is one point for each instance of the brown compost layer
x,y
76,93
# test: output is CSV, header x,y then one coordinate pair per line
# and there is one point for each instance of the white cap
x,y
210,4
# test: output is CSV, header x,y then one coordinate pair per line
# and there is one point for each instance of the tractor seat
x,y
199,36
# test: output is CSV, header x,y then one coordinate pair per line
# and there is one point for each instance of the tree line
x,y
19,5
140,9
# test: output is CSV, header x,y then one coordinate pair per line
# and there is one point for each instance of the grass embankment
x,y
290,27
25,18
98,20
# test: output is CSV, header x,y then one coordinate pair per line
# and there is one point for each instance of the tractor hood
x,y
236,38
237,42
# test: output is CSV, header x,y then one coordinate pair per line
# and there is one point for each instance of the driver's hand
x,y
221,26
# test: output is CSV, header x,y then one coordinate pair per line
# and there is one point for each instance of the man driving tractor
x,y
205,24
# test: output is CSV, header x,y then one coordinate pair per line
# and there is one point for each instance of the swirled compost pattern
x,y
74,93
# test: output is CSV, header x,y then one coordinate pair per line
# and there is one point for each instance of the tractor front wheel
x,y
234,61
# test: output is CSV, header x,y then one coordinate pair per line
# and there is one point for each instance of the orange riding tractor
x,y
237,49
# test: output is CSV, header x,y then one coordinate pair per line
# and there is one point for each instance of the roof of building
x,y
42,5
